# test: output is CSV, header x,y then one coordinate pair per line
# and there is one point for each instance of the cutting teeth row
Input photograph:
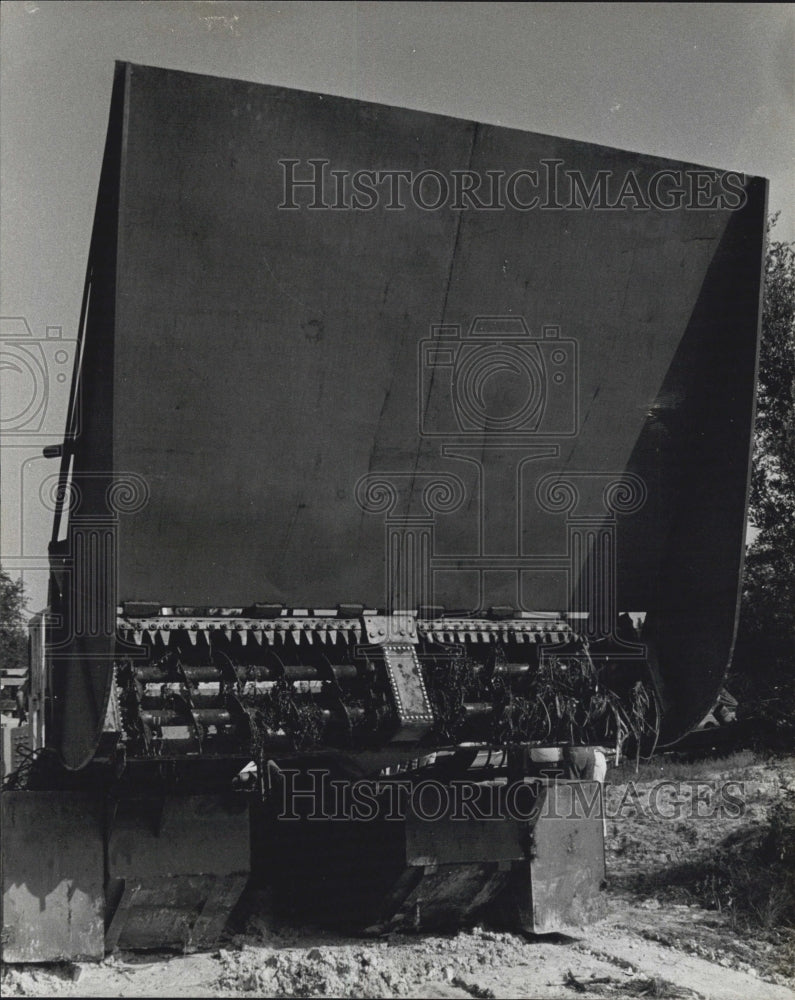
x,y
490,632
331,631
270,632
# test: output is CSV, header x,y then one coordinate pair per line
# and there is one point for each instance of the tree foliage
x,y
773,480
763,673
13,627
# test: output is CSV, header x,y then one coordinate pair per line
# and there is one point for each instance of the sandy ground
x,y
657,939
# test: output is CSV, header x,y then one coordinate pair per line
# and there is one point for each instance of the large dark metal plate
x,y
176,868
562,888
52,867
195,834
249,365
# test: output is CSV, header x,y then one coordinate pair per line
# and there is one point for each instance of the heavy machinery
x,y
360,390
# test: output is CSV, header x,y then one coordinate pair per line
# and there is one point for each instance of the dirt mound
x,y
397,967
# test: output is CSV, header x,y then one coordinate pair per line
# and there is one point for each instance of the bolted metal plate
x,y
400,627
408,690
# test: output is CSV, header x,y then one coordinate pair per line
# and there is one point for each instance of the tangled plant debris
x,y
563,698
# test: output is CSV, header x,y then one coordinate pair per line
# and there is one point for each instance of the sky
x,y
707,83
